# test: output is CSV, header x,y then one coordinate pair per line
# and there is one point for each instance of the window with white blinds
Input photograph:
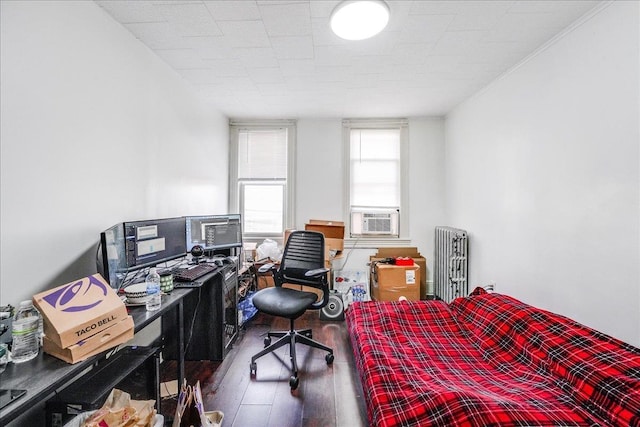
x,y
375,168
260,170
262,154
377,153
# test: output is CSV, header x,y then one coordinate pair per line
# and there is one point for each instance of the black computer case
x,y
210,318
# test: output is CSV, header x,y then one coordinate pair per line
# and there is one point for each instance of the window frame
x,y
403,233
236,201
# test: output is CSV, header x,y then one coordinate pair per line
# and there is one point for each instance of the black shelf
x,y
90,392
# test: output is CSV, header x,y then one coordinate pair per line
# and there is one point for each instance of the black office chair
x,y
302,264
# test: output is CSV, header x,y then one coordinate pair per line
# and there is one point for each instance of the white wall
x,y
320,184
427,175
319,171
543,170
95,130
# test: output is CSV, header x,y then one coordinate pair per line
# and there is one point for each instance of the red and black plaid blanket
x,y
489,360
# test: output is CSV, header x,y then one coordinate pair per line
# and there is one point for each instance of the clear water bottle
x,y
154,299
26,333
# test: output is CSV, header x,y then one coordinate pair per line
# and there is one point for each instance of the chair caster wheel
x,y
329,358
293,382
267,341
252,369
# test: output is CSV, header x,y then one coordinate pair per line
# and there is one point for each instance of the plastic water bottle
x,y
25,332
154,299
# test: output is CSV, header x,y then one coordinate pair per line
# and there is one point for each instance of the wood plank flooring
x,y
327,395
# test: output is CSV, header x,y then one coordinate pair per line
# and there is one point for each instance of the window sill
x,y
375,242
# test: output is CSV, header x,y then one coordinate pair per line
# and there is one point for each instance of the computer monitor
x,y
111,260
135,245
151,242
214,232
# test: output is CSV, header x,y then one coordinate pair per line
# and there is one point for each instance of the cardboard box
x,y
108,338
78,310
333,232
286,235
407,252
390,282
264,280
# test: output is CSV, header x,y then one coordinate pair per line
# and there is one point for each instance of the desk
x,y
46,374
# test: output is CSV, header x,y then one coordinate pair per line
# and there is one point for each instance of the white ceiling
x,y
279,59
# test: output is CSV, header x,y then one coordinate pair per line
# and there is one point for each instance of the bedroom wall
x,y
543,170
95,130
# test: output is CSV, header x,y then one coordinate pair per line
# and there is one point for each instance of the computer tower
x,y
210,318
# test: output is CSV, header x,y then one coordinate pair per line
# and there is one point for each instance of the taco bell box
x,y
114,335
78,310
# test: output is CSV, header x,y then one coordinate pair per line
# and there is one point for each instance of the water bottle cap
x,y
152,270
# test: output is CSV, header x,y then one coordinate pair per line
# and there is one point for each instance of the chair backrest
x,y
303,252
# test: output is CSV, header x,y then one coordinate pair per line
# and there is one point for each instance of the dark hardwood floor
x,y
327,395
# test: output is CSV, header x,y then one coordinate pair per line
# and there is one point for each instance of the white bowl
x,y
141,300
138,290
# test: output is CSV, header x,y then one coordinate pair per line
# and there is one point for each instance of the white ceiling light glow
x,y
359,19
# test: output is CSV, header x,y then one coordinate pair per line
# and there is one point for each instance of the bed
x,y
489,360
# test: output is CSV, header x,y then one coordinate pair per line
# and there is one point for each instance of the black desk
x,y
46,374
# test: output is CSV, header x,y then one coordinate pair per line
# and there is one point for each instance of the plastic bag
x,y
269,249
190,409
247,308
120,411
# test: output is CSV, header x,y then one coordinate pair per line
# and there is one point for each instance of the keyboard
x,y
190,274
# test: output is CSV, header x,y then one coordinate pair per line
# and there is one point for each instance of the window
x,y
260,170
376,189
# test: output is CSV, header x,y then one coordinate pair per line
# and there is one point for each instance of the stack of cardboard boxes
x,y
83,318
389,282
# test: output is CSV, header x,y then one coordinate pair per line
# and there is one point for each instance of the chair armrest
x,y
266,267
317,272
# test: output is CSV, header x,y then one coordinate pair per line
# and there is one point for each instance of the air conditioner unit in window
x,y
374,222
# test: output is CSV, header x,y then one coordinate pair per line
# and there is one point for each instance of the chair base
x,y
290,337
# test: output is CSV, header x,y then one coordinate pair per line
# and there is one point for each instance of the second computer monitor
x,y
153,241
214,232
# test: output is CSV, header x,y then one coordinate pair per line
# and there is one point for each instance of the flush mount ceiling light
x,y
359,19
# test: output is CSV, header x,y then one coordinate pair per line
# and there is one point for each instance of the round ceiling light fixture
x,y
359,19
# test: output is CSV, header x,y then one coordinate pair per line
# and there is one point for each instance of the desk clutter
x,y
131,246
119,410
85,324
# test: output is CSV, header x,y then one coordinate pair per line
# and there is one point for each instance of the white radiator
x,y
451,269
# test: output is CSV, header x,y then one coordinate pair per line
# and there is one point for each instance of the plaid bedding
x,y
489,360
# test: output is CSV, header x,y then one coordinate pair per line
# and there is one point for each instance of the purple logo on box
x,y
79,296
